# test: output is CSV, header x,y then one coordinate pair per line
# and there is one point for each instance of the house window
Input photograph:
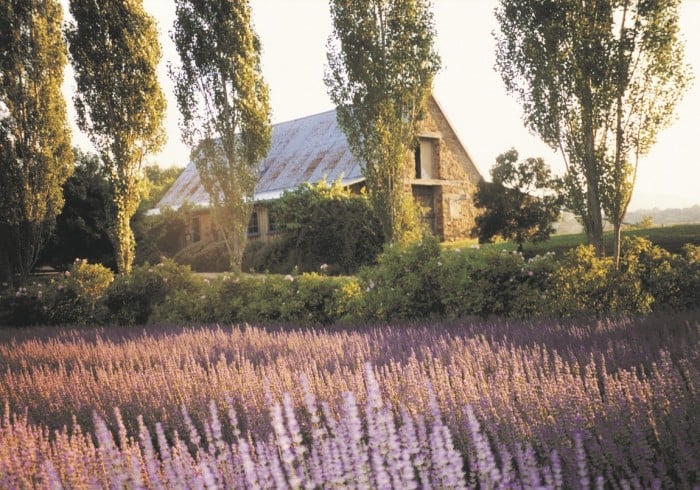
x,y
253,224
272,224
196,229
423,157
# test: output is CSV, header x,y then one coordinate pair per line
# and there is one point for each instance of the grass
x,y
671,238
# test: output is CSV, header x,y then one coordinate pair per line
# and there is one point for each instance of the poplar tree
x,y
115,51
224,102
35,151
598,80
381,65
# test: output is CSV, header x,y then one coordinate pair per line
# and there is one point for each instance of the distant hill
x,y
670,216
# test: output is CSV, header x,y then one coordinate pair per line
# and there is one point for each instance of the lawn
x,y
492,404
671,238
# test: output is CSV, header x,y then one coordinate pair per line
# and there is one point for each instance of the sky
x,y
488,120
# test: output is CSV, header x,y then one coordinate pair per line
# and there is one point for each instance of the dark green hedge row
x,y
412,282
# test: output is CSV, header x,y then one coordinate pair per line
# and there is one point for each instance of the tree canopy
x,y
381,65
327,224
35,152
520,203
115,51
598,80
82,228
224,102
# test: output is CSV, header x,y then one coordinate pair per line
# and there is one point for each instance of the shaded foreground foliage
x,y
501,404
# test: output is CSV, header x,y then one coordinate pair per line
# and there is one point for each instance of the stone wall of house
x,y
454,207
453,184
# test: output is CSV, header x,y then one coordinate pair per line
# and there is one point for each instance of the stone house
x,y
440,174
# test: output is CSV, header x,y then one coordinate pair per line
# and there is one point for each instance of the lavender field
x,y
599,404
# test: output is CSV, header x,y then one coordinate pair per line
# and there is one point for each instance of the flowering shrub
x,y
486,283
132,297
306,299
21,307
410,282
75,297
498,404
649,278
405,284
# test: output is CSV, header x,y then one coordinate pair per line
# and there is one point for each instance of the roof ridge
x,y
303,117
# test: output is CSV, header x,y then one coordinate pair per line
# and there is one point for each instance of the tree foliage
x,y
381,65
115,51
520,203
163,234
597,80
328,224
35,152
82,229
224,102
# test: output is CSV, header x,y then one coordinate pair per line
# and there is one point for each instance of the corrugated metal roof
x,y
305,150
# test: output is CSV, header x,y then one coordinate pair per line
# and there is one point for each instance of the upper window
x,y
424,160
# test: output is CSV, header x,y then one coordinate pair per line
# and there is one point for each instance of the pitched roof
x,y
304,150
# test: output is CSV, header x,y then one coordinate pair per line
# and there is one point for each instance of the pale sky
x,y
488,121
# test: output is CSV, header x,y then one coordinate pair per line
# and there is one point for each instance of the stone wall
x,y
456,180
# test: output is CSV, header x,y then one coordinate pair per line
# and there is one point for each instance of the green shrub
x,y
688,269
255,298
76,296
489,282
73,297
276,256
321,298
652,272
582,283
324,224
587,285
308,299
672,279
405,284
132,297
205,256
196,304
162,235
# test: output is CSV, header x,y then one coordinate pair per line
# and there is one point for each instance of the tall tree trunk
x,y
595,236
617,241
236,253
595,214
6,275
123,240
